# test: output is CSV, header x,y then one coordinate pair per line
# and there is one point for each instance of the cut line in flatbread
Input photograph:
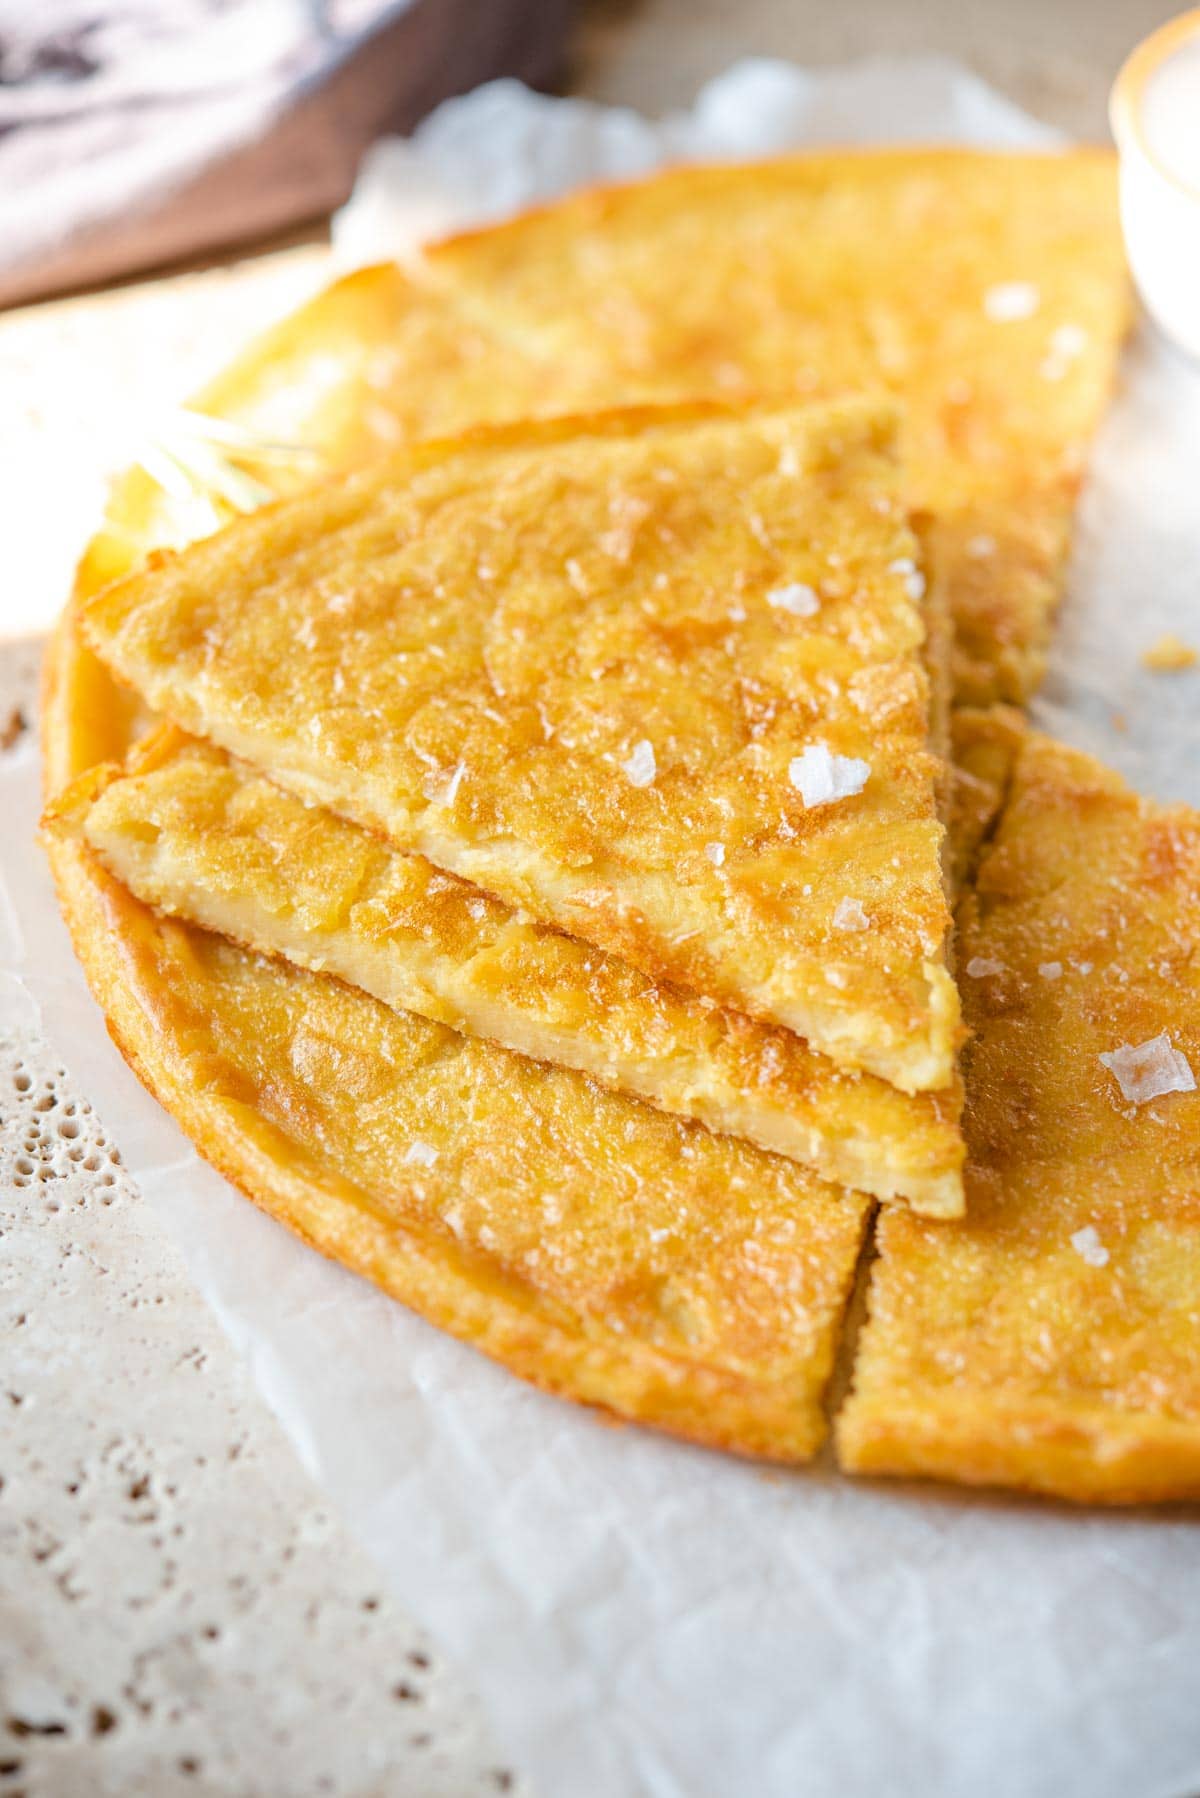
x,y
596,1247
201,837
1049,1341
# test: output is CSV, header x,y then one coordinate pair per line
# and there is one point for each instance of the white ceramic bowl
x,y
1155,113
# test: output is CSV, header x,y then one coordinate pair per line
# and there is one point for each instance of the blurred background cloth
x,y
133,132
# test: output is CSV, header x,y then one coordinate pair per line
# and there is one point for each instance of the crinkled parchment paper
x,y
644,1618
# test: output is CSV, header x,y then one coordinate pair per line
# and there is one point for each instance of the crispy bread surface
x,y
716,1329
987,291
580,664
202,837
596,1247
1049,1342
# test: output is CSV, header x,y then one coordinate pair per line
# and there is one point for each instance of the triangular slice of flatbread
x,y
655,677
201,836
1049,1341
988,290
610,1254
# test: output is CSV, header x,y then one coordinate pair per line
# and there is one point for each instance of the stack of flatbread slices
x,y
525,856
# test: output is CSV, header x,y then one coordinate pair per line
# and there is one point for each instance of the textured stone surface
x,y
179,1613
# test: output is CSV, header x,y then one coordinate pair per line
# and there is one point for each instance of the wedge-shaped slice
x,y
200,836
1049,1342
592,1245
655,677
988,290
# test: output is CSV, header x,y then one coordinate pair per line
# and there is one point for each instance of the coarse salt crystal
x,y
1050,970
850,915
641,767
442,789
981,966
1085,967
421,1154
1010,300
715,853
799,599
1068,341
1148,1070
820,777
1089,1247
914,580
835,977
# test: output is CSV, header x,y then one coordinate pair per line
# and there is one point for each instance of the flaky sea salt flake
x,y
914,580
1088,1246
1068,341
1149,1070
1010,300
641,768
715,853
420,1154
849,915
798,598
820,777
982,967
442,789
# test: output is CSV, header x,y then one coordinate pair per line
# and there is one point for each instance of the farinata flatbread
x,y
202,837
656,677
1049,1341
987,291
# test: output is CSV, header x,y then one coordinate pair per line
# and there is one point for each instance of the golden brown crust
x,y
468,647
1049,1341
201,837
715,1317
176,1002
170,997
86,721
987,290
819,273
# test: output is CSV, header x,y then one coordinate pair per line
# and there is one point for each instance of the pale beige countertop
x,y
178,1612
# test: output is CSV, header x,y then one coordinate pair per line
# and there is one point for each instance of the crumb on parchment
x,y
1169,654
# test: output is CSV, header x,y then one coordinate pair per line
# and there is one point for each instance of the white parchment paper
x,y
640,1617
